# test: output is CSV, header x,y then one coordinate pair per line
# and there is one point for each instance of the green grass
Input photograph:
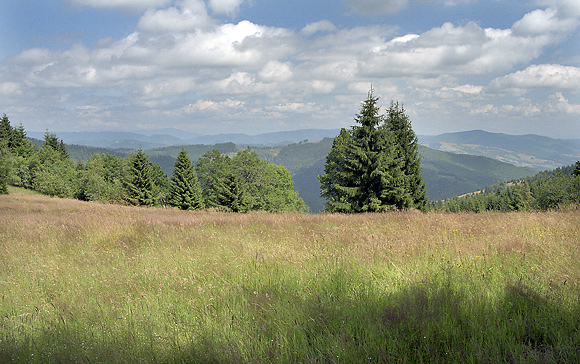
x,y
94,283
22,191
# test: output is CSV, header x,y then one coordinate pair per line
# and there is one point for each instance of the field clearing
x,y
92,283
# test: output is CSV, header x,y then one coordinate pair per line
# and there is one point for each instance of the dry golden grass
x,y
163,279
551,239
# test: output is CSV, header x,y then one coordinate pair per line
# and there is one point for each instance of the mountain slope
x,y
533,151
530,150
445,174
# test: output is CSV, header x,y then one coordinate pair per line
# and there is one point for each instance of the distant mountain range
x,y
453,163
532,151
171,137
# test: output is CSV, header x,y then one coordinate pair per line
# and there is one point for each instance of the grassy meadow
x,y
92,283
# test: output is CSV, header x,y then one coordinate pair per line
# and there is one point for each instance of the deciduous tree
x,y
213,172
246,183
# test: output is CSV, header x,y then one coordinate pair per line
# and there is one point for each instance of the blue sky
x,y
255,66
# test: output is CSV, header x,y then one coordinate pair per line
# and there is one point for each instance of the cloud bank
x,y
182,62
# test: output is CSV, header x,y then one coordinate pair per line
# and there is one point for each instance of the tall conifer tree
x,y
5,162
184,188
6,131
140,185
399,125
363,171
6,136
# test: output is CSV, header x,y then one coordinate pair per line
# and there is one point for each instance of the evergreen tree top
x,y
369,115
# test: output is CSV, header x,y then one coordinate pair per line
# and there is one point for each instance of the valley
x,y
452,164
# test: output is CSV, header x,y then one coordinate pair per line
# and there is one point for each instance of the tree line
x,y
237,183
374,166
544,191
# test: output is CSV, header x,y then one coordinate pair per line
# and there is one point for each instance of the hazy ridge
x,y
534,151
452,163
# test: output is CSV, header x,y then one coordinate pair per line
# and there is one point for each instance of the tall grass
x,y
94,283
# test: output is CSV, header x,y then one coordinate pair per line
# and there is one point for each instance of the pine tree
x,y
139,184
53,142
6,136
184,188
408,147
363,169
5,166
21,145
6,131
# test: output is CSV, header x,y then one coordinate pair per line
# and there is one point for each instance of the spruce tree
x,y
399,125
363,171
21,146
213,170
184,188
5,166
51,141
6,136
6,131
139,183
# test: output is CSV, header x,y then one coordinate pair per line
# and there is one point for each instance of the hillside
x,y
453,163
445,174
533,151
96,283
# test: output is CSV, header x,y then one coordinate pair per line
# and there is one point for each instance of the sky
x,y
257,66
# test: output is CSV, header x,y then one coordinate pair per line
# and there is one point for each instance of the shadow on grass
x,y
427,323
424,323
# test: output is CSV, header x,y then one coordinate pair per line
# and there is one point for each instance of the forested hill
x,y
534,151
445,174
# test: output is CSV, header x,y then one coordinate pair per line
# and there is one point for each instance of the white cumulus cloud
x,y
276,71
544,76
182,50
467,49
208,106
540,22
189,15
